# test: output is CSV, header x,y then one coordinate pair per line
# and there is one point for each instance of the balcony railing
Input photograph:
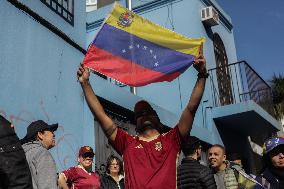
x,y
238,82
64,8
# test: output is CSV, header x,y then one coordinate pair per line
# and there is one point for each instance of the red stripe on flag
x,y
123,70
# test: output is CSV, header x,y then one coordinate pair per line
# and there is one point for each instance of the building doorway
x,y
103,148
124,119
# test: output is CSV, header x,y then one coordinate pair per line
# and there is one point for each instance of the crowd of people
x,y
149,158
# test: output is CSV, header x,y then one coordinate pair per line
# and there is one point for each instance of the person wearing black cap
x,y
38,140
272,176
14,169
149,158
191,174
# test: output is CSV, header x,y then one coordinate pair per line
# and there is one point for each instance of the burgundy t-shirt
x,y
81,179
149,165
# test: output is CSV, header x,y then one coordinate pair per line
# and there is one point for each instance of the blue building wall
x,y
37,76
74,32
184,17
38,72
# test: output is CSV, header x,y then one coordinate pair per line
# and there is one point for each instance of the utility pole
x,y
129,6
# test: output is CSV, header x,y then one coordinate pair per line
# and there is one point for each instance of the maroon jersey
x,y
81,179
149,165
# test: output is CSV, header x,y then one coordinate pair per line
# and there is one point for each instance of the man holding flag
x,y
137,52
149,158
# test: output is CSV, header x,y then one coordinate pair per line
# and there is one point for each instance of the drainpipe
x,y
129,6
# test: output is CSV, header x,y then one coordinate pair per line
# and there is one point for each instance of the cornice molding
x,y
160,3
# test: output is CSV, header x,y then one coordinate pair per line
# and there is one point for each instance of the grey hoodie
x,y
42,166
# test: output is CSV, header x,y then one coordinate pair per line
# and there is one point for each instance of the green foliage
x,y
277,85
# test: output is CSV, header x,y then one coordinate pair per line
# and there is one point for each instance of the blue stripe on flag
x,y
142,52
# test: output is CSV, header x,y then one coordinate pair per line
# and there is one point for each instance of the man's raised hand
x,y
83,74
200,62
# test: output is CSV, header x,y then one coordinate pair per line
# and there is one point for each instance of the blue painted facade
x,y
182,17
38,72
38,75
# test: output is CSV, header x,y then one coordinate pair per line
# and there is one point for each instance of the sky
x,y
259,33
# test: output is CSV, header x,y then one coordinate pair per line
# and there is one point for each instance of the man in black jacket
x,y
191,174
14,169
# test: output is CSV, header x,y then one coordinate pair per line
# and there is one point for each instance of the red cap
x,y
86,149
142,105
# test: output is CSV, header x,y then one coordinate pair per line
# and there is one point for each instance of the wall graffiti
x,y
66,145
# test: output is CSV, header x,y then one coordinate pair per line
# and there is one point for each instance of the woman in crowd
x,y
81,176
114,178
273,175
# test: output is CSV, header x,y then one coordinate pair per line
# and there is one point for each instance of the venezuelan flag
x,y
247,182
137,52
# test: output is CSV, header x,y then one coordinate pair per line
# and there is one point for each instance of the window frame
x,y
59,9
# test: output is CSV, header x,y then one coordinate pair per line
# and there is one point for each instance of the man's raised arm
x,y
108,126
187,117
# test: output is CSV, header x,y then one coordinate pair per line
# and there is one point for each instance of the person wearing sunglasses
x,y
81,176
150,157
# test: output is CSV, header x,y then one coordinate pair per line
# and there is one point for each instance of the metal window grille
x,y
64,8
223,74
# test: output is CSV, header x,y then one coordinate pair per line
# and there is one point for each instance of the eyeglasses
x,y
114,164
89,155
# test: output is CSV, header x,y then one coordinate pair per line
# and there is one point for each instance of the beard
x,y
148,122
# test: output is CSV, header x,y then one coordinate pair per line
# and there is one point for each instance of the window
x,y
64,8
223,73
92,5
102,3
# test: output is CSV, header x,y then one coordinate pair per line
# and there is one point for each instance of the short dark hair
x,y
33,138
189,146
110,159
219,146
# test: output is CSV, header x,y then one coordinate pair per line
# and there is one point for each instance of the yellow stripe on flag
x,y
154,33
246,181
